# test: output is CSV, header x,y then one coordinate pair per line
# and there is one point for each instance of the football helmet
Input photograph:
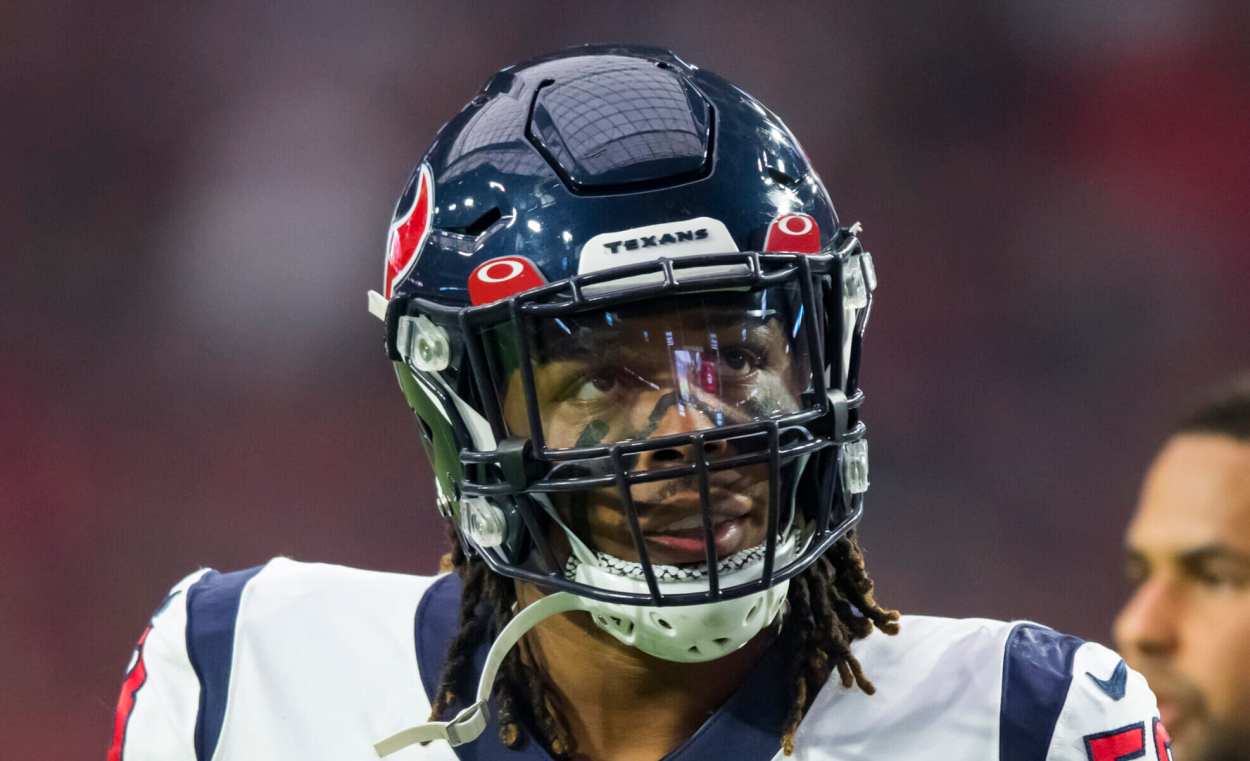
x,y
621,305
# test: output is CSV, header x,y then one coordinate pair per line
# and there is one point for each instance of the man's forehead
x,y
1196,492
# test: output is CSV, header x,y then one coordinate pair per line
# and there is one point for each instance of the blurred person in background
x,y
1187,625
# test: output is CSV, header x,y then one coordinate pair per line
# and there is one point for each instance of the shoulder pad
x,y
1065,699
212,612
159,700
1110,712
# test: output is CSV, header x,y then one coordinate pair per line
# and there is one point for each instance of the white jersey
x,y
306,662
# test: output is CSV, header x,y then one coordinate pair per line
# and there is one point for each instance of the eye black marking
x,y
592,434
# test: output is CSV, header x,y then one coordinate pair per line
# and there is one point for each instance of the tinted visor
x,y
672,365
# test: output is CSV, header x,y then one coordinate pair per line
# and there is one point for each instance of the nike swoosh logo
x,y
1117,684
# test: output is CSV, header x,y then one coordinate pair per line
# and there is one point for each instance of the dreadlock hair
x,y
830,604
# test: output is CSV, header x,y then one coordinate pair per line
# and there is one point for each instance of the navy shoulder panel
x,y
212,612
437,621
438,618
748,726
1037,671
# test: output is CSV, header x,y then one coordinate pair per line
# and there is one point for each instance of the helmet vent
x,y
781,178
479,225
751,613
625,628
483,223
658,621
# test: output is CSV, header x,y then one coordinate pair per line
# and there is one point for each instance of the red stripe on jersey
x,y
135,678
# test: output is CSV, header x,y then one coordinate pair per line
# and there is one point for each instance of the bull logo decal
x,y
409,228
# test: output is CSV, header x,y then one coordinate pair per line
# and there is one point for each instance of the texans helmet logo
x,y
409,229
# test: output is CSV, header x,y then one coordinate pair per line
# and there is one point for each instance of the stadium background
x,y
195,201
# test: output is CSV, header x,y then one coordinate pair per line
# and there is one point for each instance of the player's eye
x,y
594,386
1220,579
740,360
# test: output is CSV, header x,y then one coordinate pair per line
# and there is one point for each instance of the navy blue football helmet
x,y
615,281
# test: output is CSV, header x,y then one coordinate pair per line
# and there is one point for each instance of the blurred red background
x,y
197,198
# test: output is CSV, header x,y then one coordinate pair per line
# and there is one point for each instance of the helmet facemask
x,y
661,437
514,488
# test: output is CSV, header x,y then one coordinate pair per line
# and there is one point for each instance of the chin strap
x,y
470,722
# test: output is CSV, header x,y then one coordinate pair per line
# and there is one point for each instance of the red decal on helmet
x,y
135,678
793,234
409,231
501,277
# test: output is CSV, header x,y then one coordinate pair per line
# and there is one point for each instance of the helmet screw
x,y
482,522
427,350
428,345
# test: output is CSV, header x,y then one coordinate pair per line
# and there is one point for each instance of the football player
x,y
1187,624
629,322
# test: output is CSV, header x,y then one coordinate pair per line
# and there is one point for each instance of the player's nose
x,y
683,417
1146,626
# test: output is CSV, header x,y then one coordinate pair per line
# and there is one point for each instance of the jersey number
x,y
135,678
1163,741
1128,743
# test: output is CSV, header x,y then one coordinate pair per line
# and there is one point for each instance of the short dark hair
x,y
1226,412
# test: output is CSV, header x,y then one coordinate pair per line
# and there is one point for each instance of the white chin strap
x,y
470,723
680,633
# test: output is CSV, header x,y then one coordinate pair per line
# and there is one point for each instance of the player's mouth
x,y
1181,706
683,540
1169,714
1174,716
691,546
